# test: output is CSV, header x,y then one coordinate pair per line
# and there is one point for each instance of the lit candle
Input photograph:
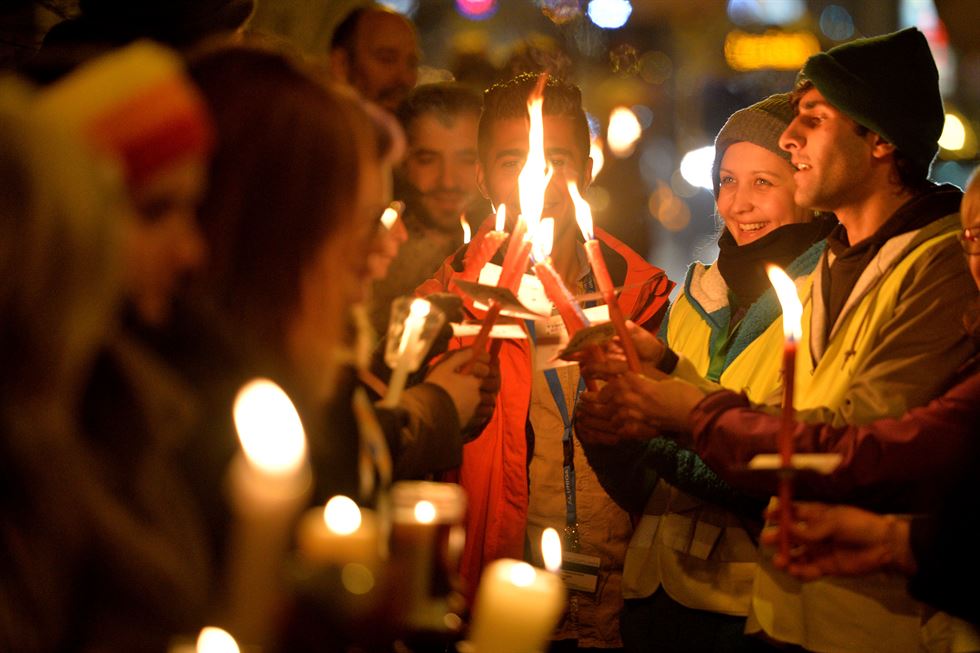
x,y
339,533
556,290
269,482
210,640
477,257
792,330
407,360
583,215
467,232
391,214
517,606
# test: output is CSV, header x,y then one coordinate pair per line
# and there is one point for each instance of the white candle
x,y
268,482
407,351
517,606
210,640
339,533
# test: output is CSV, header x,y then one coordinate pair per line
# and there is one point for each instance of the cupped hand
x,y
465,389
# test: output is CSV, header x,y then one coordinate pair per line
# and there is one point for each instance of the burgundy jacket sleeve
x,y
886,458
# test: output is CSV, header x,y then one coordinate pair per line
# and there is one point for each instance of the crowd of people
x,y
186,207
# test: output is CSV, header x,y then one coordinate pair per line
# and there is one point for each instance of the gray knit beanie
x,y
762,124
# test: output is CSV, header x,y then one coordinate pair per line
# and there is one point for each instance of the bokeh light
x,y
696,166
610,14
765,12
836,23
953,137
670,210
623,131
656,67
476,9
407,7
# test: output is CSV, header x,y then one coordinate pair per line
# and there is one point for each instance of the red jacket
x,y
494,469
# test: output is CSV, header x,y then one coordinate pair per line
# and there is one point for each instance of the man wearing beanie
x,y
692,559
886,300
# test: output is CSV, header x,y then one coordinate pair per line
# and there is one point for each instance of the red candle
x,y
608,291
571,313
516,258
476,258
792,330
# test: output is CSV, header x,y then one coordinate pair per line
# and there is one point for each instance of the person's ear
x,y
481,182
340,64
880,148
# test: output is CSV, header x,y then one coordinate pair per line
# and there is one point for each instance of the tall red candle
x,y
792,329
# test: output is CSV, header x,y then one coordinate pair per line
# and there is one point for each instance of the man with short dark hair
x,y
524,473
437,182
376,51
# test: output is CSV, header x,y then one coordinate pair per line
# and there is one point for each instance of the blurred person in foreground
x,y
514,471
104,545
376,51
691,562
877,340
437,182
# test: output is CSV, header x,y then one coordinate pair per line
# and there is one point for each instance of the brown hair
x,y
284,179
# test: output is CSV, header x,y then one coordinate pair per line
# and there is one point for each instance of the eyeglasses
x,y
970,240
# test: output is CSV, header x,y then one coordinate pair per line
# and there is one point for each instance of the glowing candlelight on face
x,y
551,550
216,640
793,330
583,215
467,232
408,358
269,481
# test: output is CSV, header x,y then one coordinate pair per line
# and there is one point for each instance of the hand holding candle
x,y
792,330
414,337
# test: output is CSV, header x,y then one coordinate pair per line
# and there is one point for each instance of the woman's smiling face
x,y
756,191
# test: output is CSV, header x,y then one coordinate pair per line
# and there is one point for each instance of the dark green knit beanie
x,y
888,84
761,124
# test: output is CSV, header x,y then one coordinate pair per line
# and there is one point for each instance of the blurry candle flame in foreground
x,y
216,640
623,131
425,512
535,175
390,215
467,233
342,515
500,222
789,301
269,428
583,212
551,550
543,239
522,574
413,324
597,156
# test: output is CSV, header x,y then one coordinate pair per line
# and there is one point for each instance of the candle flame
x,y
391,214
623,131
501,218
467,232
543,239
417,312
425,512
341,515
536,174
597,156
216,640
522,574
551,550
789,301
583,212
269,428
420,307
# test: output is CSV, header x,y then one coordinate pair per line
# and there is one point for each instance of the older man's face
x,y
385,61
